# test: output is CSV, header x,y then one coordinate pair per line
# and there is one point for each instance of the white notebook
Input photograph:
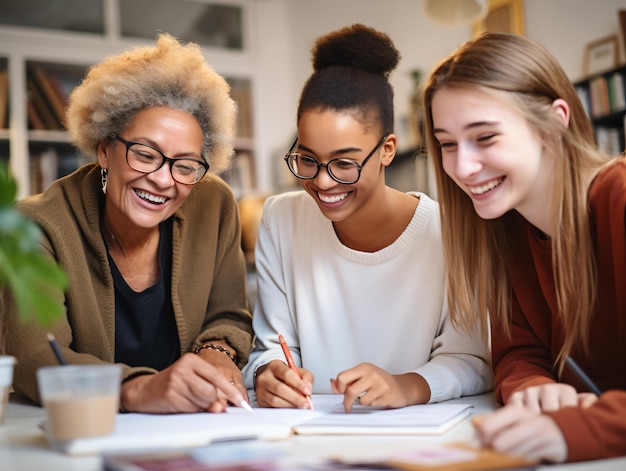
x,y
423,419
140,432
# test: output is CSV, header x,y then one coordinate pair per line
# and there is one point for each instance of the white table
x,y
23,446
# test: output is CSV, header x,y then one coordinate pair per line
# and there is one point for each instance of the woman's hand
x,y
550,397
277,385
190,384
523,432
227,368
373,386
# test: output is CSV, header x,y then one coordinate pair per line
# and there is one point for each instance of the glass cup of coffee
x,y
7,363
81,401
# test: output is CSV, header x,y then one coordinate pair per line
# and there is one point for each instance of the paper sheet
x,y
135,431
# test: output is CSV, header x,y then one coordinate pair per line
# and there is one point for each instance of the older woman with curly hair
x,y
149,240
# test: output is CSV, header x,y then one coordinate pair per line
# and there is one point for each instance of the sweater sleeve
x,y
459,363
597,432
28,342
519,360
226,314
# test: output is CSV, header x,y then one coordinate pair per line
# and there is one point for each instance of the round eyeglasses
x,y
344,171
146,159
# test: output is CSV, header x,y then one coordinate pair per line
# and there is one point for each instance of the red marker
x,y
291,363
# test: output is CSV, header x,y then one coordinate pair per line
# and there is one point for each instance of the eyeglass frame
x,y
169,160
359,166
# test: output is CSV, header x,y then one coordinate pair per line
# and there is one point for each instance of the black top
x,y
145,328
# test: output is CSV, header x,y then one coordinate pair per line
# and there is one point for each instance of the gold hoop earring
x,y
104,173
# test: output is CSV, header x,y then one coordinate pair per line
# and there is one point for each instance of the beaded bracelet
x,y
219,348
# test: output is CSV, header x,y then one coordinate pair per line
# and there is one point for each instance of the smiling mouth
x,y
333,198
151,198
479,190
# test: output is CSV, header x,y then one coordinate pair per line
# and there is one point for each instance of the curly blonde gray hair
x,y
169,74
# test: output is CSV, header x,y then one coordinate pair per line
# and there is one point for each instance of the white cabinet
x,y
43,55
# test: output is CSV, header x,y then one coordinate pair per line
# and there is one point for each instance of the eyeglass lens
x,y
341,170
307,167
145,159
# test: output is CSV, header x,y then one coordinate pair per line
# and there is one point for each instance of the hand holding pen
x,y
218,382
292,364
276,385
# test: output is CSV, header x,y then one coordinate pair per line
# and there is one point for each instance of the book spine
x,y
619,99
4,98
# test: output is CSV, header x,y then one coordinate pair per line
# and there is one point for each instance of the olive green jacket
x,y
208,277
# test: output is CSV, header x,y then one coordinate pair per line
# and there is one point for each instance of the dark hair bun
x,y
356,46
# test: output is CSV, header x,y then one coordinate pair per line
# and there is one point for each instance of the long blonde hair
x,y
478,262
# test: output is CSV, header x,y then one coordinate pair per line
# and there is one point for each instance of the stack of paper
x,y
160,431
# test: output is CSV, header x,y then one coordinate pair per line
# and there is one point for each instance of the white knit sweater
x,y
337,307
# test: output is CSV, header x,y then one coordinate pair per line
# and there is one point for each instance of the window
x,y
67,15
206,23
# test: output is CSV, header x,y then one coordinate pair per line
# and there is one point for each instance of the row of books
x,y
604,94
49,163
4,98
611,139
240,176
48,95
240,91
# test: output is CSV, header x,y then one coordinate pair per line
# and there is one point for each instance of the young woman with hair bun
x,y
350,270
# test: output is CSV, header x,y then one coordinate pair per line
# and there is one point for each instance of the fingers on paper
x,y
524,433
586,400
546,397
365,383
358,392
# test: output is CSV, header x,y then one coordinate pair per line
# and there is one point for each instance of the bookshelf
x,y
48,86
604,98
43,57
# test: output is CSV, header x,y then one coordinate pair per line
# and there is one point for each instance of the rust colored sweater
x,y
537,334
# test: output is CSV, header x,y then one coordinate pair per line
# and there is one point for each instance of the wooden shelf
x,y
30,53
604,97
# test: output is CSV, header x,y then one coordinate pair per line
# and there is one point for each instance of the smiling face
x,y
329,135
491,152
141,201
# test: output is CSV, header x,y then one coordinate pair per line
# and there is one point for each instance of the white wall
x,y
287,29
565,27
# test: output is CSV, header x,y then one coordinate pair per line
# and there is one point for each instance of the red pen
x,y
291,363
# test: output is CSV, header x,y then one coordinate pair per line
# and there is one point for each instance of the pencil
x,y
578,371
55,348
291,363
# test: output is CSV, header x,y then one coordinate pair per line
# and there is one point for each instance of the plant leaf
x,y
8,187
34,280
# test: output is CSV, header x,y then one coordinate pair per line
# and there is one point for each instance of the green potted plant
x,y
25,271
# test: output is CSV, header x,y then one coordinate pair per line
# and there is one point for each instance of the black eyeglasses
x,y
146,159
344,171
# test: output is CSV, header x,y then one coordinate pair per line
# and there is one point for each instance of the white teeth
x,y
152,198
333,198
479,190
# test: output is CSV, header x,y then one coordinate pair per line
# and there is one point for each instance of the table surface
x,y
23,446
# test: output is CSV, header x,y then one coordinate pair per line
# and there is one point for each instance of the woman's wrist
x,y
212,345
